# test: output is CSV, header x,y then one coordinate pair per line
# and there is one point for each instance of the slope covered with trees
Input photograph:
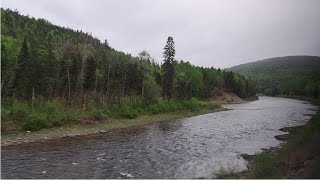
x,y
291,75
44,65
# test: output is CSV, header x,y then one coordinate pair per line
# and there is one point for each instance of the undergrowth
x,y
46,114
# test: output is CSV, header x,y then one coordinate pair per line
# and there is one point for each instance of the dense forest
x,y
290,75
42,62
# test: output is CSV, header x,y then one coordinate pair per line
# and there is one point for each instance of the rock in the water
x,y
100,159
129,175
126,174
282,137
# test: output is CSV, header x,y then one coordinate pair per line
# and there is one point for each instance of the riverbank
x,y
50,120
230,98
298,157
86,129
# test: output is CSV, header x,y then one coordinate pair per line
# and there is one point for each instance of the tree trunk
x,y
82,80
142,91
69,86
96,83
33,97
124,84
108,84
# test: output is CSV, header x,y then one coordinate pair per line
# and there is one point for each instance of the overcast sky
x,y
207,33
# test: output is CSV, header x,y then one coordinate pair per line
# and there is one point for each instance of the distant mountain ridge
x,y
297,62
299,75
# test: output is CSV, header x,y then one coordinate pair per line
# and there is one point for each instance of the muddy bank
x,y
227,98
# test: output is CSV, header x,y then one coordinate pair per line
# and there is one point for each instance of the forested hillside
x,y
42,62
291,75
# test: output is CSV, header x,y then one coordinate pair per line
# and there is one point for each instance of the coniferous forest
x,y
47,69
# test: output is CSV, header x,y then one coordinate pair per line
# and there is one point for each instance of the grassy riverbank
x,y
94,120
298,157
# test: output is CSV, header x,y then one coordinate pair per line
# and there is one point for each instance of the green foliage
x,y
54,112
263,165
89,79
99,114
227,174
291,75
49,114
160,106
19,111
300,136
48,61
44,115
193,105
36,121
124,110
9,53
5,114
168,68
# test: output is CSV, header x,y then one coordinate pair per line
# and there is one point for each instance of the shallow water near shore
x,y
192,147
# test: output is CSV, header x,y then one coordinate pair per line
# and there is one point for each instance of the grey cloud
x,y
219,33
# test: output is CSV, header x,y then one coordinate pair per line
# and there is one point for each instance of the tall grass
x,y
46,114
264,165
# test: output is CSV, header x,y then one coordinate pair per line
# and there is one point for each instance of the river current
x,y
191,147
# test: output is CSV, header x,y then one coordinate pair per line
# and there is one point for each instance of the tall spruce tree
x,y
168,68
22,79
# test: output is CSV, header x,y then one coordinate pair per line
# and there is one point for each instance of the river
x,y
192,147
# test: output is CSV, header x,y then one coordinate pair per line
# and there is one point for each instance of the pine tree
x,y
22,79
168,68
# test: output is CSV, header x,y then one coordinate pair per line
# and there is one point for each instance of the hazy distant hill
x,y
298,75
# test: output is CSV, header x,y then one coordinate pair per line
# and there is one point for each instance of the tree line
x,y
42,61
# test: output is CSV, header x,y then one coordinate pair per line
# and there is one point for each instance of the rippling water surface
x,y
187,148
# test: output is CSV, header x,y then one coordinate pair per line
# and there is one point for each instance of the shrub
x,y
5,114
263,165
176,105
19,111
99,114
212,105
145,102
36,121
159,107
193,104
128,112
227,174
124,110
53,107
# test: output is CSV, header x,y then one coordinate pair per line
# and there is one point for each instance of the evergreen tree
x,y
168,68
22,79
49,61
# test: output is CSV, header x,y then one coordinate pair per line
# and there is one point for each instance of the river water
x,y
187,148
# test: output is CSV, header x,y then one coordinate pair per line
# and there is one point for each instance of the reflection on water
x,y
188,148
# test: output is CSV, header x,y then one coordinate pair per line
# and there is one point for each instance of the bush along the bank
x,y
42,115
264,165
